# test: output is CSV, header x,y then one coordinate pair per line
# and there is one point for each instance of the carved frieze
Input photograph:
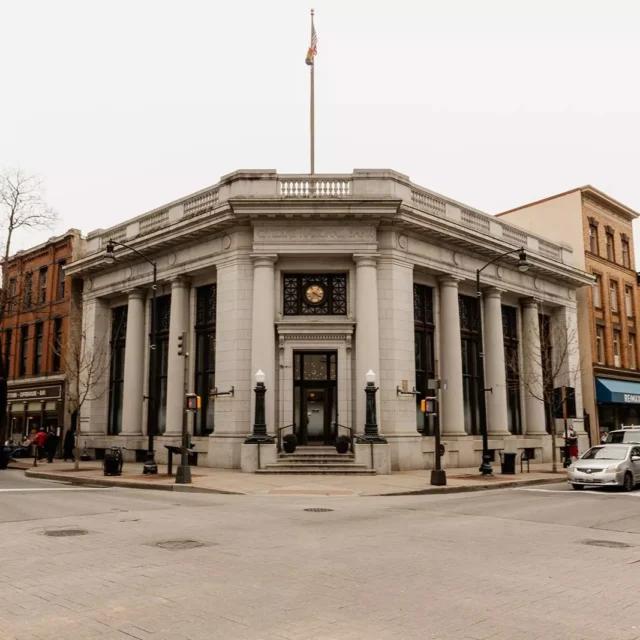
x,y
315,234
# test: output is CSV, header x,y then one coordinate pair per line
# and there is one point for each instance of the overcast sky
x,y
124,105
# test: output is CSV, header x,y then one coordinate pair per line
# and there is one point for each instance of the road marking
x,y
14,490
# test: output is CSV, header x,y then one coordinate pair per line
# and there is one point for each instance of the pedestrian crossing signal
x,y
428,405
193,402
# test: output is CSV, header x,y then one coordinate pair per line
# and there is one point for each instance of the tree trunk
x,y
76,450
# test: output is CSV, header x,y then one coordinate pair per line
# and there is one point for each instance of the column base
x,y
225,450
256,455
376,455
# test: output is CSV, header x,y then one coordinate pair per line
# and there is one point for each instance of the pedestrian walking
x,y
69,444
41,440
51,445
572,443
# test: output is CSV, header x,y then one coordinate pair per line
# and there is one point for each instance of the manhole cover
x,y
612,544
64,533
177,545
318,510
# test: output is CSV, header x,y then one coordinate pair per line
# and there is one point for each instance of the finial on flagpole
x,y
312,11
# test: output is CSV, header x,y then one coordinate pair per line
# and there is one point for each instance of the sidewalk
x,y
233,481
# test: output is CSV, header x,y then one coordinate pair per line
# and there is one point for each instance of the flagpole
x,y
312,114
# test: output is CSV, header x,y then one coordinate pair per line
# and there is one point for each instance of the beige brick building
x,y
600,230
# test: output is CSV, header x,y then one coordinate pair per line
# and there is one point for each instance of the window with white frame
x,y
597,291
632,351
616,348
600,344
628,301
613,296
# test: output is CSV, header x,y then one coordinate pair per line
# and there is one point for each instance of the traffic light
x,y
193,402
428,405
182,341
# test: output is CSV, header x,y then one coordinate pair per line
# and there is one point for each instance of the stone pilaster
x,y
452,398
367,333
494,364
134,389
532,369
179,324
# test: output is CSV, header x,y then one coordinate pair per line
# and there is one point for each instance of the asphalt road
x,y
528,563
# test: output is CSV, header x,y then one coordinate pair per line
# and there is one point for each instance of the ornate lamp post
x,y
150,466
260,435
523,265
371,434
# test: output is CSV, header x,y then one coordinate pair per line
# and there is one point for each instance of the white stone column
x,y
263,334
532,369
452,398
178,324
367,333
134,391
494,365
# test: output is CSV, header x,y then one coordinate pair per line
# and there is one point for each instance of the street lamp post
x,y
523,265
371,434
259,434
150,466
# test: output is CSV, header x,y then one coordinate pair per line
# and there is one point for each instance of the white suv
x,y
630,435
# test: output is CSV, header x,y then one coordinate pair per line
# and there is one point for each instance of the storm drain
x,y
318,510
179,545
611,544
65,533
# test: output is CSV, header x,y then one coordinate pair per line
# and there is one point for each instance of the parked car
x,y
629,435
607,465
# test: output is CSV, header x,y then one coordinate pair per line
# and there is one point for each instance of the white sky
x,y
125,105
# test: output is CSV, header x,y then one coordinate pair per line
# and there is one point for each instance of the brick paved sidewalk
x,y
235,482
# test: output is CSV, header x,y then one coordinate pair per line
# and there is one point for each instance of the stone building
x,y
315,280
35,334
600,229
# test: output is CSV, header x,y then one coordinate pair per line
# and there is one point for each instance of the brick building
x,y
607,312
34,334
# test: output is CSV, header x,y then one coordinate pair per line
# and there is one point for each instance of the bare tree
x,y
22,207
555,364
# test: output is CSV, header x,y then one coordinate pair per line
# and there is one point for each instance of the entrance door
x,y
315,397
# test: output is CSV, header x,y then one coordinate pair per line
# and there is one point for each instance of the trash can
x,y
508,463
112,464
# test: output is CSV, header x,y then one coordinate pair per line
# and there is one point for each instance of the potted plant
x,y
342,444
290,442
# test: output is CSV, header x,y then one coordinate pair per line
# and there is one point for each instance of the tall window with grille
x,y
56,356
546,352
626,253
510,332
37,347
60,289
205,357
42,285
28,290
593,239
8,340
472,373
116,373
163,304
424,328
24,349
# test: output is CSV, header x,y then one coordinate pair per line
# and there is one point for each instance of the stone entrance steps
x,y
317,461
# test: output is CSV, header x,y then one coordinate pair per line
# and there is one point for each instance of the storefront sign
x,y
630,398
36,393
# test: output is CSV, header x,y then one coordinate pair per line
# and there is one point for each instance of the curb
x,y
126,484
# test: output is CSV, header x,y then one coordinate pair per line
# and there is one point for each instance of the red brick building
x,y
34,334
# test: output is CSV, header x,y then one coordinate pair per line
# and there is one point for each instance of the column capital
x,y
180,282
449,281
136,294
529,302
263,260
493,292
366,259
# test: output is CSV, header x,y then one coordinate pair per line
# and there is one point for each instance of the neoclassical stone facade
x,y
315,281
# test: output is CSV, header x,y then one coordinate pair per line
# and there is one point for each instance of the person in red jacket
x,y
41,439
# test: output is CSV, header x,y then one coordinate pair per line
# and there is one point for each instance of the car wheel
x,y
578,487
628,483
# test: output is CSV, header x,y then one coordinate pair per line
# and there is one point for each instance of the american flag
x,y
313,49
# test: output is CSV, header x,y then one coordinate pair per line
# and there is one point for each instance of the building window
x,y
205,357
510,333
599,344
315,294
57,344
28,290
626,255
61,278
548,378
472,374
424,328
613,296
628,301
162,363
116,373
8,339
24,349
616,348
593,239
597,291
37,347
610,252
42,286
632,351
11,302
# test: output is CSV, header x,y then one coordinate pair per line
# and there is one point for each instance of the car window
x,y
615,437
607,452
635,451
632,435
628,435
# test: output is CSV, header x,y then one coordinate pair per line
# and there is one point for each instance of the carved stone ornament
x,y
315,234
403,242
226,242
171,259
